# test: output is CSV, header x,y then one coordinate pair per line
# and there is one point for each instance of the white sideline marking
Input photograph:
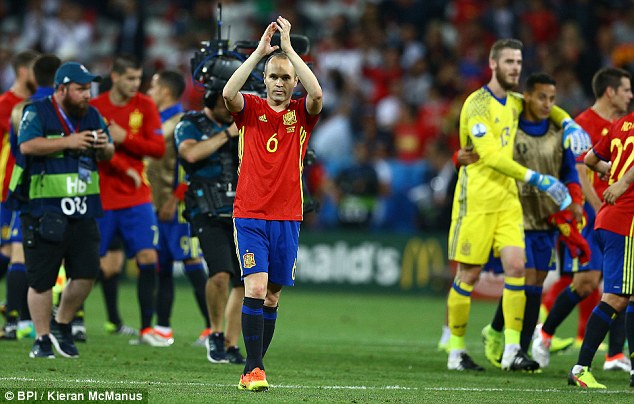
x,y
335,387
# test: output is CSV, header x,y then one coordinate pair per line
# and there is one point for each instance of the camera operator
x,y
207,145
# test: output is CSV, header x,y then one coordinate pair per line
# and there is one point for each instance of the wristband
x,y
575,192
227,134
528,177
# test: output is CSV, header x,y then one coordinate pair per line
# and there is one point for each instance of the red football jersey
x,y
8,100
141,119
597,128
272,149
618,147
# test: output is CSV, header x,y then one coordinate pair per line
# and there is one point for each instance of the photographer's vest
x,y
51,183
220,168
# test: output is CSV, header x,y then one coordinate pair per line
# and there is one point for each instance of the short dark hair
x,y
44,69
124,62
539,78
608,77
507,43
210,99
277,54
174,81
23,59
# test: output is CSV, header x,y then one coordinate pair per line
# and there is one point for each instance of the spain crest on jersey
x,y
249,260
290,118
136,120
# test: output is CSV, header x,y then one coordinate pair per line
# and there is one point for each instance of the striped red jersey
x,y
618,147
597,128
272,149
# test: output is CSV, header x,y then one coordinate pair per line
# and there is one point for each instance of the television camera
x,y
214,63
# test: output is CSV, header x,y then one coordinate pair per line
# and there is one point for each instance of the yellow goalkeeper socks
x,y
458,308
513,305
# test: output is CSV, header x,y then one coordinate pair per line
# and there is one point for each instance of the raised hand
x,y
284,26
575,138
264,47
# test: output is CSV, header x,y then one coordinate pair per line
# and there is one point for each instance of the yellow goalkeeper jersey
x,y
489,125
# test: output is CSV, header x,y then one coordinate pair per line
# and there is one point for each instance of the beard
x,y
223,118
76,110
505,84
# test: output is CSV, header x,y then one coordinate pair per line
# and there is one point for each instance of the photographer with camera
x,y
207,145
274,134
61,137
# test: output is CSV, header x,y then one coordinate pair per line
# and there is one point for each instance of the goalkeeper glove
x,y
570,236
552,186
575,138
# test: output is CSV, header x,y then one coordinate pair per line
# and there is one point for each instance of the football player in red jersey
x,y
274,133
614,227
613,91
135,125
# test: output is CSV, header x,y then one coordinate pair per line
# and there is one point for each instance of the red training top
x,y
142,122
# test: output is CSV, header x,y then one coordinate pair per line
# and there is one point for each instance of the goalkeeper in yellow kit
x,y
486,210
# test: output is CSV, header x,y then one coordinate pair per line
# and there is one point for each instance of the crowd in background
x,y
395,74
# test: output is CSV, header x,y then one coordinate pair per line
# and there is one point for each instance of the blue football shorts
x,y
268,246
175,242
618,265
5,223
541,250
136,226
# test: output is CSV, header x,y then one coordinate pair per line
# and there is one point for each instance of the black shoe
x,y
62,339
42,348
521,362
234,356
464,363
10,330
216,348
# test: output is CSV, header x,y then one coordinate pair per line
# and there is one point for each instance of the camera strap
x,y
85,162
66,123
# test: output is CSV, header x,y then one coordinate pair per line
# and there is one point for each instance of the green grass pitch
x,y
328,347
